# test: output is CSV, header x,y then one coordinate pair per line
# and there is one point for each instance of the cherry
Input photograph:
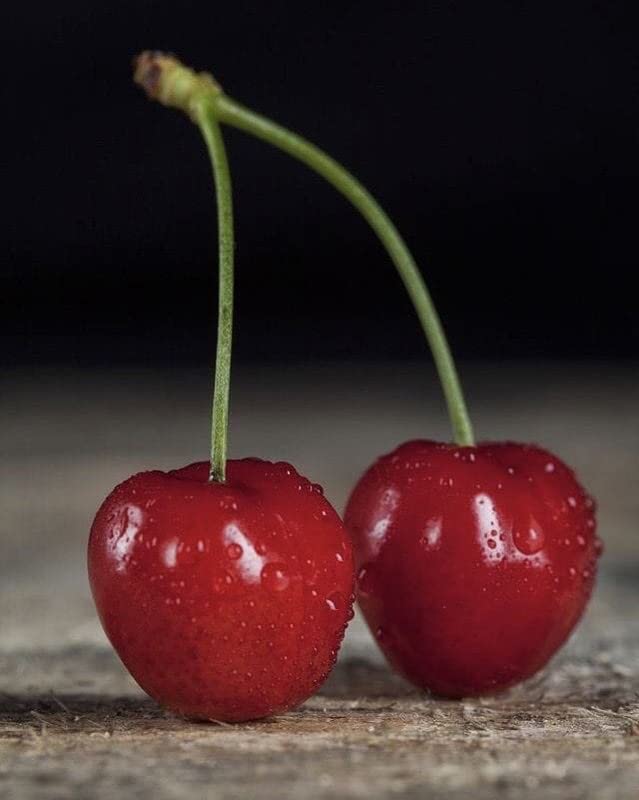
x,y
224,601
474,563
224,586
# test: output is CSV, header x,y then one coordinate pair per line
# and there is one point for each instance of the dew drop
x,y
529,541
275,577
261,547
550,467
492,544
598,546
234,551
222,581
572,502
228,503
364,581
581,541
334,601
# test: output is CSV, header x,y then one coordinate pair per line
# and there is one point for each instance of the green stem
x,y
212,134
232,113
165,79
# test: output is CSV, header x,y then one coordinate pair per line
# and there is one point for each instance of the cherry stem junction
x,y
167,80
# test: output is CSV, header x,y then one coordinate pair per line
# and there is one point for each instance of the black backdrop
x,y
502,137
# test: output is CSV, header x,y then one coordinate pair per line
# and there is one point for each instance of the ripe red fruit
x,y
224,601
474,563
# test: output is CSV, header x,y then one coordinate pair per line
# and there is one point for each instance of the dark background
x,y
502,138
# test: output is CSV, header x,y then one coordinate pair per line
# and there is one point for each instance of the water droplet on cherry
x,y
275,577
334,601
234,551
364,580
529,541
222,581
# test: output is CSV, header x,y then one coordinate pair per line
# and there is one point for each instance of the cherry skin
x,y
474,563
224,601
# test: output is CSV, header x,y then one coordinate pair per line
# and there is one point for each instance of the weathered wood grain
x,y
73,723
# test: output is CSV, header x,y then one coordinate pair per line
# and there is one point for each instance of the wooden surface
x,y
73,723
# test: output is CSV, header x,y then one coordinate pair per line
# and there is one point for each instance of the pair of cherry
x,y
226,588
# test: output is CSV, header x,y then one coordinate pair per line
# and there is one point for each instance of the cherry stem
x,y
172,84
232,113
167,80
212,134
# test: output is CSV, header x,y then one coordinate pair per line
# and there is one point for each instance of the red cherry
x,y
224,601
474,563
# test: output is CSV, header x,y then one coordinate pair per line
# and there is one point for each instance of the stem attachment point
x,y
165,79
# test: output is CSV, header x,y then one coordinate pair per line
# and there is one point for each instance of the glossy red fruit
x,y
474,563
224,601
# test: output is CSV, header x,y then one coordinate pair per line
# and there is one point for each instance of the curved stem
x,y
232,113
212,134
